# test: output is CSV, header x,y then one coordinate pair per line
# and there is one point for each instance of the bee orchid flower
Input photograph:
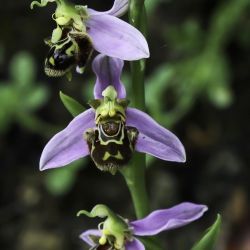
x,y
80,29
110,131
117,233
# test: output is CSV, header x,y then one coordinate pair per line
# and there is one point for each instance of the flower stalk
x,y
135,173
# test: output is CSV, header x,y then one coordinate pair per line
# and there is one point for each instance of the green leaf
x,y
7,107
23,69
220,95
37,97
208,241
73,106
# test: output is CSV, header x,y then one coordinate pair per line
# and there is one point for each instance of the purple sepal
x,y
154,139
85,236
116,38
167,219
108,72
68,145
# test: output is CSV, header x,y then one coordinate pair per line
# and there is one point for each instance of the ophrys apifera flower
x,y
110,131
117,233
81,29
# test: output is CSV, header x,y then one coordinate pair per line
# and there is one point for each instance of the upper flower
x,y
119,234
110,131
80,29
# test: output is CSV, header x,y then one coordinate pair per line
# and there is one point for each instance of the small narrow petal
x,y
119,8
134,245
85,236
167,219
108,72
116,38
154,139
68,145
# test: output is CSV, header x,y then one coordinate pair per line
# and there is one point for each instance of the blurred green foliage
x,y
202,71
21,95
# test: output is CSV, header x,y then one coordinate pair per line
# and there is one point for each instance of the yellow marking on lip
x,y
119,156
107,155
52,61
70,50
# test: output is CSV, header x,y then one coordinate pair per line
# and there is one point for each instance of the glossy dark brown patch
x,y
61,58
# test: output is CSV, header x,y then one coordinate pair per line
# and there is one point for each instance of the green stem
x,y
223,23
135,173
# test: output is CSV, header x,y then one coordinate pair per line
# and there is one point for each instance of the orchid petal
x,y
85,236
118,9
153,139
134,245
108,72
116,38
68,145
167,219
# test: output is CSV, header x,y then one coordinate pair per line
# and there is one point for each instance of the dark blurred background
x,y
197,85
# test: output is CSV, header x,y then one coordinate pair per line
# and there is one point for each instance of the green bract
x,y
210,238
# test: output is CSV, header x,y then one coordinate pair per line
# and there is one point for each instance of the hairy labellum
x,y
60,59
73,50
111,144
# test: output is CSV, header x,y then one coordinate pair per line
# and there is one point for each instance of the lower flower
x,y
117,233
